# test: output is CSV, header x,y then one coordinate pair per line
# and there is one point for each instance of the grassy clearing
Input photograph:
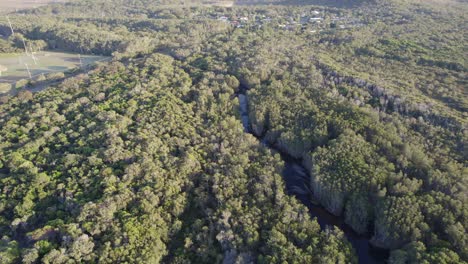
x,y
12,5
46,62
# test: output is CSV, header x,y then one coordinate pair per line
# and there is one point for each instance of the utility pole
x,y
32,53
29,72
81,62
25,48
11,27
102,18
34,58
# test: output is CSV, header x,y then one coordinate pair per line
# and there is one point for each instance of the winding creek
x,y
297,182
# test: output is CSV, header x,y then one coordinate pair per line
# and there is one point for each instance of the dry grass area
x,y
12,5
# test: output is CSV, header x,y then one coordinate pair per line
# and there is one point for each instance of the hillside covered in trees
x,y
145,159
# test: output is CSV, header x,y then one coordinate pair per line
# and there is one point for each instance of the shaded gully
x,y
297,183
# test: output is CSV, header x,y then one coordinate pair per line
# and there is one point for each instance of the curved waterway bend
x,y
297,184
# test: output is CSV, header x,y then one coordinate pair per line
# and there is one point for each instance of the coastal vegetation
x,y
144,158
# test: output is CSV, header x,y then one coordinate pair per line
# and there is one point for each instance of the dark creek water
x,y
297,184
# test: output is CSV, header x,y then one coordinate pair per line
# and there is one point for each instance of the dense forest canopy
x,y
144,159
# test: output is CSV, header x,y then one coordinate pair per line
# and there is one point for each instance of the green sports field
x,y
45,62
12,5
